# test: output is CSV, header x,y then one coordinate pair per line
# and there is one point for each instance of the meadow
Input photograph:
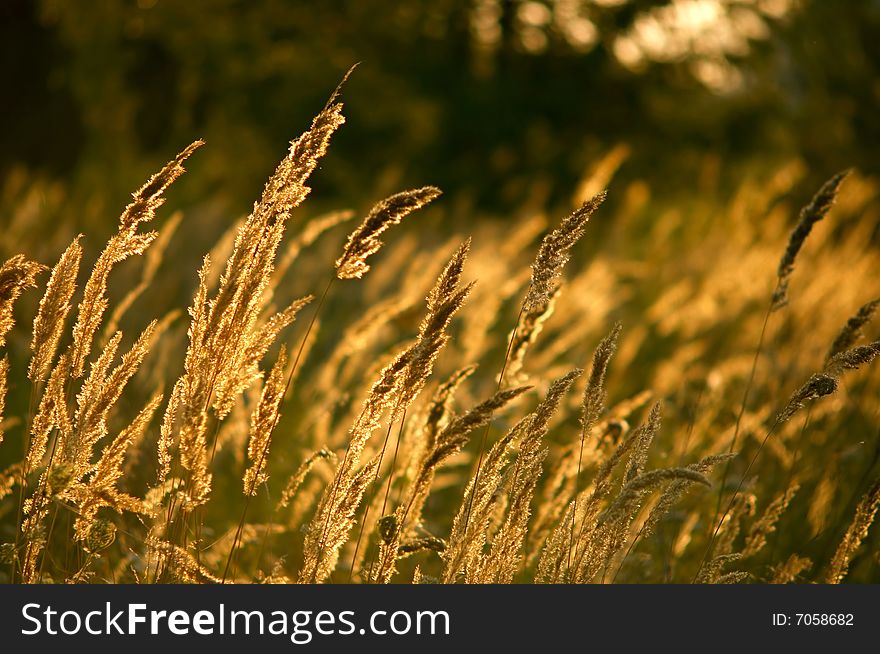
x,y
619,393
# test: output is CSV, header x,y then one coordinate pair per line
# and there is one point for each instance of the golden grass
x,y
348,453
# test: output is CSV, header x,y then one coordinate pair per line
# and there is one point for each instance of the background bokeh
x,y
499,102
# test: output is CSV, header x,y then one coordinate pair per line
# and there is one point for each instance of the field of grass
x,y
627,393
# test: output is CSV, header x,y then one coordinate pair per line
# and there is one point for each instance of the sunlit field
x,y
616,385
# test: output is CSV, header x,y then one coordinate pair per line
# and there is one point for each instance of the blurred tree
x,y
483,96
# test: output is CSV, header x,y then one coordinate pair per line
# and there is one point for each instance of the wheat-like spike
x,y
185,414
853,329
644,483
420,544
406,376
470,528
788,572
712,571
35,544
468,536
299,476
52,314
94,385
398,386
454,436
815,211
853,358
125,243
227,336
556,498
438,410
677,488
819,385
448,442
264,419
51,414
528,330
735,577
249,267
742,507
167,432
548,407
766,524
389,548
607,536
592,406
556,545
249,351
554,252
99,393
319,562
152,261
855,534
232,327
16,274
193,450
94,303
444,301
589,549
183,567
286,188
148,198
595,395
505,554
381,398
100,489
4,387
602,481
644,437
364,241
